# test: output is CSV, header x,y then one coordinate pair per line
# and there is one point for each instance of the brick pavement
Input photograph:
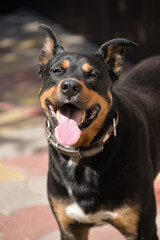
x,y
24,210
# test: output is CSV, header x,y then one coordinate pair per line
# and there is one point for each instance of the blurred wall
x,y
101,20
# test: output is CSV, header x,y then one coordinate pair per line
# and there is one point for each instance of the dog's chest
x,y
73,211
125,216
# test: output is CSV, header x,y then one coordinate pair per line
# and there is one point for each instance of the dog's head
x,y
76,88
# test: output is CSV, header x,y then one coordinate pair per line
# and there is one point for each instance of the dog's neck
x,y
112,114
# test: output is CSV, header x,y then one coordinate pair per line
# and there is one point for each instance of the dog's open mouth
x,y
70,121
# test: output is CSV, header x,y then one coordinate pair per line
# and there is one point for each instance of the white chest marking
x,y
70,191
71,164
75,212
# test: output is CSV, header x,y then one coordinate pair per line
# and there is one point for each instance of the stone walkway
x,y
25,214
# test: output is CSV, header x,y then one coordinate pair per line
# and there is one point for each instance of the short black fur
x,y
123,173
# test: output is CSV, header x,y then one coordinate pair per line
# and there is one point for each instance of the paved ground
x,y
25,214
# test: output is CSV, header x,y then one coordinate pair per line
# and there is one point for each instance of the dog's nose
x,y
70,87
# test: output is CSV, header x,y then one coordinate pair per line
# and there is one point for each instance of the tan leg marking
x,y
72,229
127,219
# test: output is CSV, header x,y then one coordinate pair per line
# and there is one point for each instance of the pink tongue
x,y
67,132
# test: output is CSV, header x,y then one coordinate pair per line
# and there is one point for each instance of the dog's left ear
x,y
112,53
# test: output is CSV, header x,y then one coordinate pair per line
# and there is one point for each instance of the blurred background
x,y
100,20
81,26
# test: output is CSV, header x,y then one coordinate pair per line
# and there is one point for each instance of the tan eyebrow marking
x,y
65,63
86,67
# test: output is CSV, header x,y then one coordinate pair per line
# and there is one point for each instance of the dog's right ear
x,y
51,45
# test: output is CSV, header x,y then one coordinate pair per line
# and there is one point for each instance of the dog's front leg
x,y
74,232
69,228
147,226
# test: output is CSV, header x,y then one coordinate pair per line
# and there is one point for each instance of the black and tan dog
x,y
104,138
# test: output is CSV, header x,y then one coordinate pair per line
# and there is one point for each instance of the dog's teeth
x,y
52,113
93,113
58,115
83,117
52,110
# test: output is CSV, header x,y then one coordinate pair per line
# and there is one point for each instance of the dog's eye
x,y
56,70
93,74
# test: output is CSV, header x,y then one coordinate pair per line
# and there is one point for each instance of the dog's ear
x,y
112,53
51,45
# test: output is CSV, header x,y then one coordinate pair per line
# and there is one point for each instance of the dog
x,y
104,138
